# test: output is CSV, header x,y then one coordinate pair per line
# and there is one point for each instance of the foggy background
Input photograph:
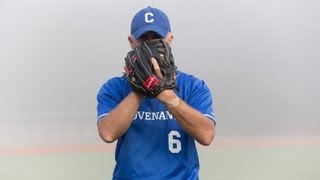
x,y
260,59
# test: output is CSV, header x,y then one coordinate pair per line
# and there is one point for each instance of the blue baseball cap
x,y
150,19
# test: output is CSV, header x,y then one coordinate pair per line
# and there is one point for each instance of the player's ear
x,y
130,41
133,42
169,38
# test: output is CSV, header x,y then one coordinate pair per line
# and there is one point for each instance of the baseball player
x,y
154,111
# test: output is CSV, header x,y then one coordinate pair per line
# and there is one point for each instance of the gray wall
x,y
260,58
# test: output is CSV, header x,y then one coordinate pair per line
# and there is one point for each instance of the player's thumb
x,y
156,67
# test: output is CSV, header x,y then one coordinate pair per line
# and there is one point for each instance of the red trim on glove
x,y
151,82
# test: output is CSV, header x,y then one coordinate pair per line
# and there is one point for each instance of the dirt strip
x,y
219,143
256,142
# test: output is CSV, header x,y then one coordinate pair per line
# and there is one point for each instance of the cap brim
x,y
161,31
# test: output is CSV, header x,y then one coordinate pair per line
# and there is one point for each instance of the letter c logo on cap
x,y
148,17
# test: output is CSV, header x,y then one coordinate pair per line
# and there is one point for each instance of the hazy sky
x,y
259,57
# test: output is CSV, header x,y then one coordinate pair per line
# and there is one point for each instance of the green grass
x,y
60,166
289,163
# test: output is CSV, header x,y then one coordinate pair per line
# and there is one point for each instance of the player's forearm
x,y
198,126
115,124
194,123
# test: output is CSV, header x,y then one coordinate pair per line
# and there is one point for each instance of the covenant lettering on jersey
x,y
150,116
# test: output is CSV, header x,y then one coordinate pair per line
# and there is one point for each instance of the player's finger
x,y
156,67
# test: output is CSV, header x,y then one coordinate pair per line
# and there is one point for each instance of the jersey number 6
x,y
174,142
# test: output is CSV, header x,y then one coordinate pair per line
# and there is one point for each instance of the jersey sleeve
x,y
200,98
110,95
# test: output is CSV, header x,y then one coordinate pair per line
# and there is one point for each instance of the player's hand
x,y
150,68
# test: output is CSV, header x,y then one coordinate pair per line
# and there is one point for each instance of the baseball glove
x,y
150,68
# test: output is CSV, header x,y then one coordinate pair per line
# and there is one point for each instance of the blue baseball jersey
x,y
155,146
